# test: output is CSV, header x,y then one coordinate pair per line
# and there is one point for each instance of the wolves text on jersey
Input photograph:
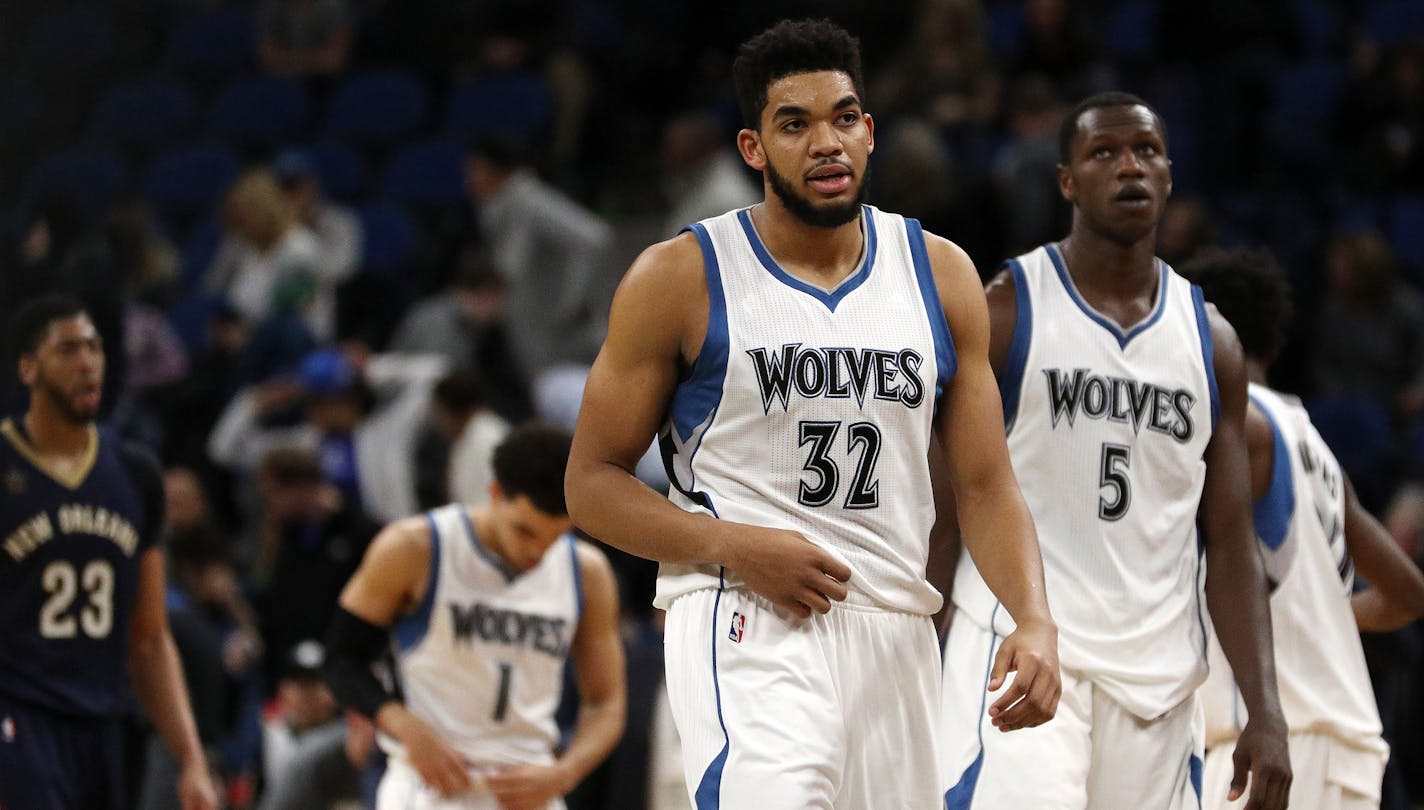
x,y
1142,404
838,373
509,627
74,518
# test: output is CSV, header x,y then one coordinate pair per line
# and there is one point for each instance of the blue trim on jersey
x,y
961,795
409,630
698,396
489,556
1194,768
1272,513
832,298
578,577
1123,338
1011,383
709,790
1208,351
1197,588
946,359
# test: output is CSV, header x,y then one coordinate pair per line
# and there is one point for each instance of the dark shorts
x,y
51,761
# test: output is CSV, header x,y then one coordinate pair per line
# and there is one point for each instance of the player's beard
x,y
63,403
828,216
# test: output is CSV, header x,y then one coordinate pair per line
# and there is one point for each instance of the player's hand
x,y
1031,653
528,787
440,766
195,787
783,566
1261,752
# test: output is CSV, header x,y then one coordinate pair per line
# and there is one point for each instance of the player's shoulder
x,y
590,556
402,544
596,571
671,262
139,461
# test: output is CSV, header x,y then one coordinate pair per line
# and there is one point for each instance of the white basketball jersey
x,y
482,659
1106,429
1320,666
812,410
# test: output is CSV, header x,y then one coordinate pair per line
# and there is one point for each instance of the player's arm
x,y
1236,583
658,318
390,582
1396,593
597,655
994,521
157,676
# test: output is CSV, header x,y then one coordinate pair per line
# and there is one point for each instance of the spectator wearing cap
x,y
312,755
363,417
337,228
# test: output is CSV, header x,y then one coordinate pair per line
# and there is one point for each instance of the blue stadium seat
x,y
1406,230
1004,28
70,40
1394,21
215,45
1357,430
90,174
342,172
190,316
517,104
198,252
425,173
1131,30
1306,96
144,112
186,183
259,112
389,237
377,107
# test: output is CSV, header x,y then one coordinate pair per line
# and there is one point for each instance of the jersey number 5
x,y
1112,475
61,582
862,438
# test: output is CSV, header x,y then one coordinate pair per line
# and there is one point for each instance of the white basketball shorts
x,y
1327,774
402,789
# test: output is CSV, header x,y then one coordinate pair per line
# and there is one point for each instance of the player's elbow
x,y
1412,605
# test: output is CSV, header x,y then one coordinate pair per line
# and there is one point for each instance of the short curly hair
x,y
531,462
788,48
1250,289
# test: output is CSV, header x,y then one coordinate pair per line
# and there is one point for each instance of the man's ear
x,y
749,145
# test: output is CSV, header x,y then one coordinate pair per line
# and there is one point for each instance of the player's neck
x,y
52,434
1102,267
490,539
822,256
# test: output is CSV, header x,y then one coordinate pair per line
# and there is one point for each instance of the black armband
x,y
352,646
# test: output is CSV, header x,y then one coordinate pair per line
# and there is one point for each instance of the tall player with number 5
x,y
81,585
1125,398
801,360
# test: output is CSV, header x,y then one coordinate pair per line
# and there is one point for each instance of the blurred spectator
x,y
466,325
1057,42
336,227
945,75
462,411
362,419
553,254
304,36
1026,169
311,759
1370,331
310,541
1187,226
703,175
147,262
269,263
1382,121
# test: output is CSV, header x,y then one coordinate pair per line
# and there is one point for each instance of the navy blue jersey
x,y
69,558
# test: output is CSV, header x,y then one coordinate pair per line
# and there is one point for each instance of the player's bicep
x,y
391,575
150,611
598,645
1226,493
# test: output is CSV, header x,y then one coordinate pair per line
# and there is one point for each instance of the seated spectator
x,y
463,415
362,418
312,755
304,36
702,175
336,227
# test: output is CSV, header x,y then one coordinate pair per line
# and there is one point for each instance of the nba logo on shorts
x,y
739,624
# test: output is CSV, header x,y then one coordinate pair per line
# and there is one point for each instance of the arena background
x,y
1293,124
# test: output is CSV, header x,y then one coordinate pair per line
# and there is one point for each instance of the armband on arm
x,y
352,646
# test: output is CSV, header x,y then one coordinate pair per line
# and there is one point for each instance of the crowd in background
x,y
337,247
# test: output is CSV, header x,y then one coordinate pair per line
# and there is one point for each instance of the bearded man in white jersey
x,y
1314,537
485,604
801,360
1125,399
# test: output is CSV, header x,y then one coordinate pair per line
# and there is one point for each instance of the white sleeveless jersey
x,y
482,659
812,410
1106,429
1300,523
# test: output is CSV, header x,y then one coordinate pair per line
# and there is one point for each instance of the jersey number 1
x,y
864,489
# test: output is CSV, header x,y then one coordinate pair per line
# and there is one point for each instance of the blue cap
x,y
327,371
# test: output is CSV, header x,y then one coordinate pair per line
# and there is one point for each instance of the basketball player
x,y
486,604
1125,398
81,585
803,353
1314,535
